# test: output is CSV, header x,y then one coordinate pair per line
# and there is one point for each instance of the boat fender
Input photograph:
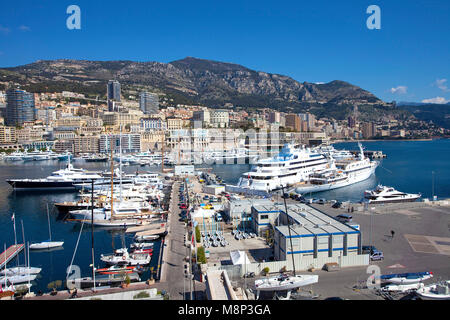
x,y
124,258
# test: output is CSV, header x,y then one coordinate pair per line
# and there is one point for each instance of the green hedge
x,y
201,257
198,236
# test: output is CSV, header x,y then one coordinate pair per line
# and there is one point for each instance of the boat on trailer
x,y
401,287
284,282
436,291
407,278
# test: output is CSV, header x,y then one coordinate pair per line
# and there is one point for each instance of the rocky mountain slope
x,y
189,80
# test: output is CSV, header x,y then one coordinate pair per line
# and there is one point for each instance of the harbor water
x,y
30,208
409,167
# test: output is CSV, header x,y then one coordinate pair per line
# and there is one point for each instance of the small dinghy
x,y
407,278
284,282
436,291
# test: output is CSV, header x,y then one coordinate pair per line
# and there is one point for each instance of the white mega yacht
x,y
341,173
291,166
61,179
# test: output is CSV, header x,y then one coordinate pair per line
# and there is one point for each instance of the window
x,y
264,217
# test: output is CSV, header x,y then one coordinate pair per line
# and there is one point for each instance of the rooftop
x,y
310,222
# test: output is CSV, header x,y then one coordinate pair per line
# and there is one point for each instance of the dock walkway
x,y
10,253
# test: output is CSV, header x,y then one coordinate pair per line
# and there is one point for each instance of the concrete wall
x,y
153,295
301,264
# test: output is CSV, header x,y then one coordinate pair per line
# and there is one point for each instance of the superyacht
x,y
61,179
291,166
342,173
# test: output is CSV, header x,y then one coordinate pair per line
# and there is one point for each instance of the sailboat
x,y
283,281
114,220
49,244
20,270
10,285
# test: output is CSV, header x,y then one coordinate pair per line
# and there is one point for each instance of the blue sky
x,y
314,41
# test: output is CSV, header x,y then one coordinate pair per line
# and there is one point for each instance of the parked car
x,y
376,256
369,249
321,201
337,205
344,218
183,206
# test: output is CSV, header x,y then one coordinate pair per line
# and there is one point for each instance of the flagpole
x,y
15,236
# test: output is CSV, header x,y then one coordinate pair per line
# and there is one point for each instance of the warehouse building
x,y
313,234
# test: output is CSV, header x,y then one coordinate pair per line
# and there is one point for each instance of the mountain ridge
x,y
207,82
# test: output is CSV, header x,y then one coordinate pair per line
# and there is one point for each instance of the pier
x,y
10,253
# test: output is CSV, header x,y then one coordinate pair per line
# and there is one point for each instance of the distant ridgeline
x,y
439,114
197,81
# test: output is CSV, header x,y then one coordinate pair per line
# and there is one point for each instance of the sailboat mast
x,y
49,230
23,237
120,167
29,265
15,237
289,228
92,230
6,273
112,177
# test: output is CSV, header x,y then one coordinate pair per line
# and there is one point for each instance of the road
x,y
175,251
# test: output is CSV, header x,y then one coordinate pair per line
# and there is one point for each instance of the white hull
x,y
20,270
147,238
290,283
399,200
114,224
403,281
401,288
431,293
384,194
348,182
46,245
18,279
128,260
